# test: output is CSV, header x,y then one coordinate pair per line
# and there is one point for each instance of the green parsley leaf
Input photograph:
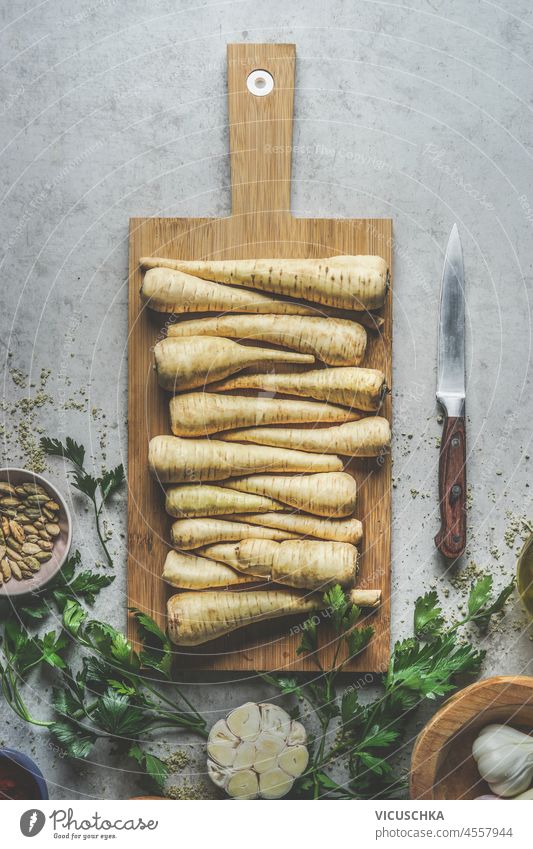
x,y
155,768
111,481
115,713
309,638
76,741
479,594
358,639
428,619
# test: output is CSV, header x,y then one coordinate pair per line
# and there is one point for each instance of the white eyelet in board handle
x,y
260,83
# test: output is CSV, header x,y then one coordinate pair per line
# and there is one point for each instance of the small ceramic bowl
x,y
62,542
21,766
442,766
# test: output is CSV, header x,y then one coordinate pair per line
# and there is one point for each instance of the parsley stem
x,y
97,512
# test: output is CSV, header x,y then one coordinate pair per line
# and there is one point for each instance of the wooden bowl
x,y
442,766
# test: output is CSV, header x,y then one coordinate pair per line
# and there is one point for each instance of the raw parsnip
x,y
341,530
196,360
324,494
359,388
303,564
334,341
196,500
193,533
190,572
204,413
346,282
175,460
223,552
369,437
198,617
170,291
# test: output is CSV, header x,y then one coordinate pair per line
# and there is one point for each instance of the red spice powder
x,y
15,782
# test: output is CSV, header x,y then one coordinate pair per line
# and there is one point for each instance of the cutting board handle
x,y
261,128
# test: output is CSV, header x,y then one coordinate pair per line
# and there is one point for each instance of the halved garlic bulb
x,y
257,751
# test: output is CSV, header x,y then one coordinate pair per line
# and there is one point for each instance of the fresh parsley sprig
x,y
112,691
111,695
366,736
97,489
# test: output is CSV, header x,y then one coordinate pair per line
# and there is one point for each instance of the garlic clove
x,y
297,734
244,758
294,760
222,744
245,721
275,719
217,774
222,752
267,748
243,785
274,784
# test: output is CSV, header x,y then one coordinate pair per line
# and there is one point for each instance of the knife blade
x,y
451,395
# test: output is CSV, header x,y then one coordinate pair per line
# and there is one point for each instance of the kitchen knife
x,y
451,394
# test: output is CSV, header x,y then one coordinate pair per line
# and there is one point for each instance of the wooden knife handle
x,y
451,539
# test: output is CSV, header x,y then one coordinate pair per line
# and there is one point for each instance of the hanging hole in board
x,y
260,83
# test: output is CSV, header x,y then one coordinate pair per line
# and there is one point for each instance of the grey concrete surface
x,y
420,111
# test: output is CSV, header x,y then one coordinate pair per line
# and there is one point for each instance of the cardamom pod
x,y
9,501
16,531
30,548
43,556
32,563
6,569
15,570
53,529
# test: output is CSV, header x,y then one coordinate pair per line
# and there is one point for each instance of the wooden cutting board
x,y
260,225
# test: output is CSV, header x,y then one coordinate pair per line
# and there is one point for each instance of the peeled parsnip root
x,y
346,282
340,530
324,494
369,437
303,564
196,500
224,552
175,460
195,618
204,413
193,533
257,751
170,291
196,360
358,388
190,572
334,341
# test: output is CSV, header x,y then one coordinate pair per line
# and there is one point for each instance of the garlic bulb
x,y
504,757
258,751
